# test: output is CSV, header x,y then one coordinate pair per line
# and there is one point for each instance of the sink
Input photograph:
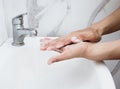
x,y
26,67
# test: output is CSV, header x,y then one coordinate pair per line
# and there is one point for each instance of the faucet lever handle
x,y
18,20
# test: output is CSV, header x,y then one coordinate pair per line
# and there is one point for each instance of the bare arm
x,y
104,51
109,24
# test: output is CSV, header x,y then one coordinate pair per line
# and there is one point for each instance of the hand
x,y
89,34
71,51
92,51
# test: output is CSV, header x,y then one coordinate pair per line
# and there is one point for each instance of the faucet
x,y
19,32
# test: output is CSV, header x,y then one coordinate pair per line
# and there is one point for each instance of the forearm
x,y
109,24
105,51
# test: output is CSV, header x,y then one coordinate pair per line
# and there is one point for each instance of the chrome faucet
x,y
19,32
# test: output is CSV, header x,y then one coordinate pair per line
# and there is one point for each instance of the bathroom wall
x,y
3,32
55,14
13,8
64,19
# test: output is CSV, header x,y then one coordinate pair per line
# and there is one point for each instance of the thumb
x,y
57,58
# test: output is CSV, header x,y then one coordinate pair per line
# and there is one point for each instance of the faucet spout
x,y
28,31
18,38
32,32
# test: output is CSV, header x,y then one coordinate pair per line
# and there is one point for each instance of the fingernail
x,y
42,48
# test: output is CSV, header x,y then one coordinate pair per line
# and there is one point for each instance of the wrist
x,y
97,32
102,27
97,52
98,28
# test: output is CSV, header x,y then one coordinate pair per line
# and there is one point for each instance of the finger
x,y
57,58
49,44
59,45
55,45
58,50
63,43
44,45
42,48
45,39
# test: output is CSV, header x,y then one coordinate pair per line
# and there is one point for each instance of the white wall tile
x,y
80,13
3,32
12,9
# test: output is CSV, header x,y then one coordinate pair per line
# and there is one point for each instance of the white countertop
x,y
26,67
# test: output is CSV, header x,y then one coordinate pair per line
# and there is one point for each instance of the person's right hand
x,y
87,35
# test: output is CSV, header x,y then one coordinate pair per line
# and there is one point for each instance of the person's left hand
x,y
71,51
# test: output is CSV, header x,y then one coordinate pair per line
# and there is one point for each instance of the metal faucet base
x,y
18,44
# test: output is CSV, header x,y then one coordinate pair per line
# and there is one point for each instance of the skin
x,y
71,48
92,51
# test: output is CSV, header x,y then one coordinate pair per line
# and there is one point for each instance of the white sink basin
x,y
26,67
